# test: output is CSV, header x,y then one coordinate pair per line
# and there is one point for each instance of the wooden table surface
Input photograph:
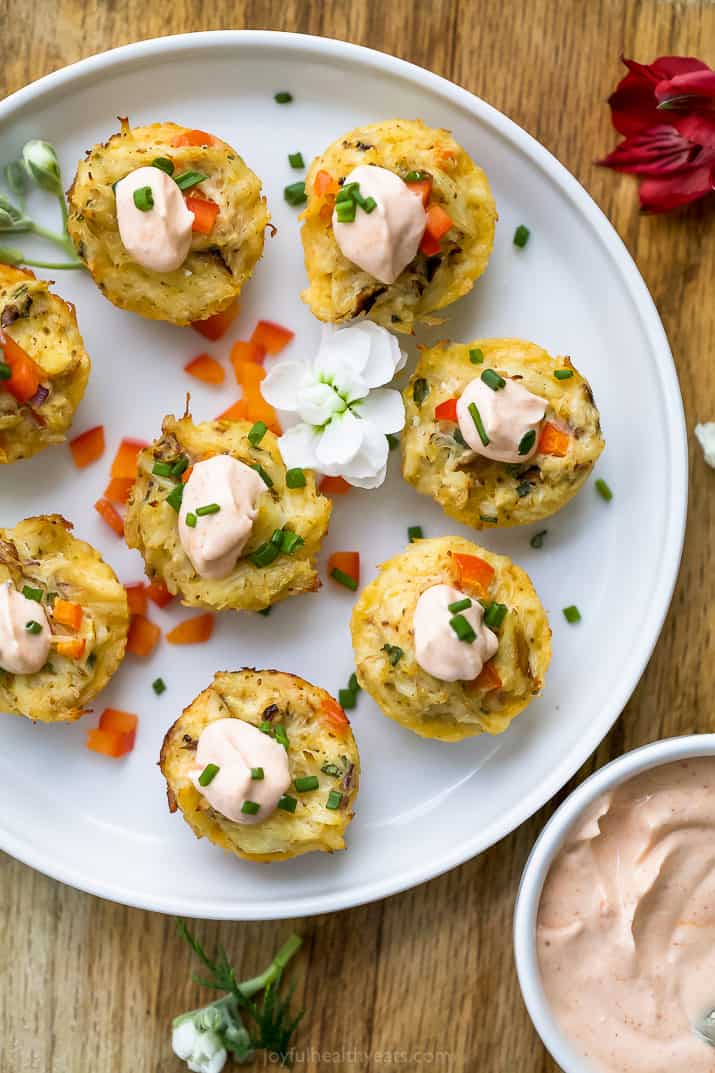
x,y
423,980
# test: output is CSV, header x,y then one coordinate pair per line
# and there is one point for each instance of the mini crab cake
x,y
63,621
536,413
169,221
44,367
220,521
264,764
450,639
399,223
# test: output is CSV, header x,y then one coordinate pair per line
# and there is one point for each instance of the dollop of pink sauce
x,y
160,238
438,649
507,415
626,924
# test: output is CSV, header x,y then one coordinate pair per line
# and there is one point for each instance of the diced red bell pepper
x,y
487,679
125,460
215,327
136,598
118,489
243,351
114,520
143,636
72,648
438,224
109,742
272,337
206,369
474,572
67,613
334,486
423,187
88,446
195,138
192,631
334,715
347,562
553,441
205,213
324,184
446,411
25,373
158,593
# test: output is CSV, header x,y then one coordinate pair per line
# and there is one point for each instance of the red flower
x,y
666,110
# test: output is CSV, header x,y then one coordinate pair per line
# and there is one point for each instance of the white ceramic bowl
x,y
537,867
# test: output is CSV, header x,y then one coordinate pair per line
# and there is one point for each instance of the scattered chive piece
x,y
187,179
159,686
415,176
523,489
257,432
266,728
459,605
563,374
295,478
180,466
287,803
394,653
250,808
265,477
161,469
190,520
353,683
296,160
344,579
521,236
490,518
493,380
290,541
457,435
335,800
265,554
420,391
572,614
414,532
175,496
332,769
144,199
527,442
463,629
347,698
478,423
33,627
393,441
163,164
345,211
208,774
603,490
476,356
305,783
208,508
368,204
281,735
346,192
495,615
32,594
5,371
283,97
295,193
537,541
265,611
257,773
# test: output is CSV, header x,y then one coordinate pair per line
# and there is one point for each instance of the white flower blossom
x,y
344,413
201,1049
706,437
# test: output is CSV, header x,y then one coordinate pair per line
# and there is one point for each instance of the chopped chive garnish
x,y
208,508
266,727
257,773
295,478
521,236
572,614
459,605
290,541
159,686
33,627
368,204
463,629
283,97
190,520
495,615
287,803
345,211
187,179
257,432
161,469
5,371
208,774
415,176
523,488
527,441
493,379
180,466
393,441
353,683
347,698
332,769
394,653
537,541
420,391
490,519
476,356
265,554
344,579
281,735
603,490
478,423
563,374
459,438
265,477
163,164
305,783
144,199
175,496
250,808
295,193
277,537
296,160
414,532
265,611
32,594
335,800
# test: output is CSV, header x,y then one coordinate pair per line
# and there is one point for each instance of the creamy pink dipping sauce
x,y
626,924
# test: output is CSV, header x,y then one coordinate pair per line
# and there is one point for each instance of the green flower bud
x,y
11,217
16,177
11,256
41,161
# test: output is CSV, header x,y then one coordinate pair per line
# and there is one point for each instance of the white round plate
x,y
102,825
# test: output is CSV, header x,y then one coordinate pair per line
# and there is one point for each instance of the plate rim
x,y
673,538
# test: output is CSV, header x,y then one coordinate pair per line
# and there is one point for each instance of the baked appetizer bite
x,y
399,223
263,764
220,521
451,639
498,431
169,221
63,621
44,367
